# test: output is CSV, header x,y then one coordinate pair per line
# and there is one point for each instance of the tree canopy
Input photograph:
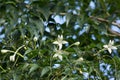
x,y
59,39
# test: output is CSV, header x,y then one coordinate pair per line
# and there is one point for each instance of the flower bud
x,y
4,51
76,43
12,58
80,71
35,38
80,59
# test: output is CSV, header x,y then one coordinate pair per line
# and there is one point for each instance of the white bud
x,y
76,43
80,71
4,51
80,59
12,58
35,38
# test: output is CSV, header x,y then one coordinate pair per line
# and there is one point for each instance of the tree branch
x,y
106,21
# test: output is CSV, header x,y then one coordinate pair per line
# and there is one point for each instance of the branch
x,y
103,20
106,21
113,32
99,19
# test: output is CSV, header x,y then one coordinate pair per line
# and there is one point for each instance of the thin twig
x,y
104,20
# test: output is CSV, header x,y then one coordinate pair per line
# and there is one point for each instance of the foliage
x,y
39,39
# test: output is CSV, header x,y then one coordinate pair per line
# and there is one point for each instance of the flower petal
x,y
61,37
55,42
60,46
64,42
55,55
105,46
109,50
60,57
111,42
113,47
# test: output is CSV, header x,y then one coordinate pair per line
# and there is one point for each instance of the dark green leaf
x,y
33,67
45,70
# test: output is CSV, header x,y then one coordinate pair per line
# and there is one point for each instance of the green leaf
x,y
45,12
25,66
64,78
45,70
33,67
11,2
39,26
16,77
118,75
2,21
31,53
68,17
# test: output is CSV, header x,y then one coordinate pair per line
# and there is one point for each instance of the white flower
x,y
12,58
58,53
76,43
110,46
60,41
4,51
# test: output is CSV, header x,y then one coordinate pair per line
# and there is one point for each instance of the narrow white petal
x,y
113,47
55,55
55,42
111,42
58,36
60,57
64,42
105,46
61,37
109,50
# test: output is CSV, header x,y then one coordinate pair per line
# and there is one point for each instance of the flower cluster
x,y
58,52
59,42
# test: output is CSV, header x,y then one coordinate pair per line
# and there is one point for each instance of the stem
x,y
20,55
16,52
117,45
99,51
69,46
3,69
